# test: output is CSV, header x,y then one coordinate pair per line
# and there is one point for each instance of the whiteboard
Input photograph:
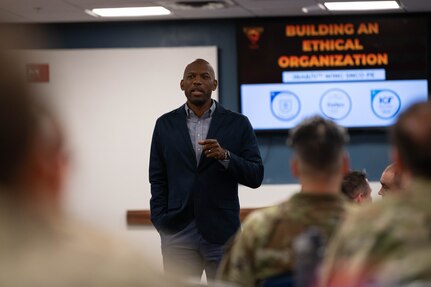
x,y
109,100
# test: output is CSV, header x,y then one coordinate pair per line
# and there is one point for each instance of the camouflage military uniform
x,y
264,248
386,244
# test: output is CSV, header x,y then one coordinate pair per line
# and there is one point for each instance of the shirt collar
x,y
208,113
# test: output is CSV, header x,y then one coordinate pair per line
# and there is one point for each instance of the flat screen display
x,y
360,72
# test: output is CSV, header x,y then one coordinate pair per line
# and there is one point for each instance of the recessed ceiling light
x,y
313,8
361,5
130,11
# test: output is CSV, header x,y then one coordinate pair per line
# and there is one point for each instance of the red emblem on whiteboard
x,y
37,73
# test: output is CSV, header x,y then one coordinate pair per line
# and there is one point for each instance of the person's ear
x,y
359,198
398,163
53,169
215,85
346,164
45,173
294,167
182,85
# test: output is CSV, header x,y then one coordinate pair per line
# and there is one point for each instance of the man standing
x,y
265,248
389,243
199,154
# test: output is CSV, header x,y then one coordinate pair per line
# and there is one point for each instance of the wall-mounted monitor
x,y
358,71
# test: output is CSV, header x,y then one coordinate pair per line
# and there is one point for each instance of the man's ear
x,y
346,164
45,173
182,85
398,163
359,198
215,85
294,167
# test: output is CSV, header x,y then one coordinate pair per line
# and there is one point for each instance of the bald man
x,y
390,181
200,152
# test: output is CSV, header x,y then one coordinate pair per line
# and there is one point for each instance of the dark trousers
x,y
187,253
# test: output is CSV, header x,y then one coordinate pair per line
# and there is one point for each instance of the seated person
x,y
390,181
355,186
265,247
389,243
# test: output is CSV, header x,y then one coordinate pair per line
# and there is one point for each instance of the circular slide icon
x,y
285,105
335,104
385,103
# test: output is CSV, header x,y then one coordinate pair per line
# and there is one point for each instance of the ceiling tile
x,y
230,12
73,10
9,17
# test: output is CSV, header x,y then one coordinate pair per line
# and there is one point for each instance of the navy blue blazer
x,y
182,190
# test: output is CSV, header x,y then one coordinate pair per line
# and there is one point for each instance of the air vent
x,y
201,5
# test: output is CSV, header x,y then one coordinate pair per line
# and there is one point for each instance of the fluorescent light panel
x,y
131,11
361,5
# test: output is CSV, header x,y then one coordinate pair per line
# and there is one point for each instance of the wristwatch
x,y
226,155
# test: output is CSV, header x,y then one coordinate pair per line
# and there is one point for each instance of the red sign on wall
x,y
37,73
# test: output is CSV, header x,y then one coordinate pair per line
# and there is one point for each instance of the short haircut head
x,y
411,136
354,183
319,144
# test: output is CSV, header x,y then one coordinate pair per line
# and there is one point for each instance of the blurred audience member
x,y
390,181
38,245
264,249
389,243
355,186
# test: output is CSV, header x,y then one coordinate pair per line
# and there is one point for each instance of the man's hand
x,y
212,148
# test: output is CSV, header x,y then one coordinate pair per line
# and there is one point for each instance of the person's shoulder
x,y
255,230
263,213
260,220
170,116
230,113
382,233
237,116
369,221
235,119
173,112
76,254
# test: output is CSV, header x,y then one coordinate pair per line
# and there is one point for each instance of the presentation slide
x,y
362,104
355,71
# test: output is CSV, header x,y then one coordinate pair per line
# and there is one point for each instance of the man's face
x,y
387,181
198,83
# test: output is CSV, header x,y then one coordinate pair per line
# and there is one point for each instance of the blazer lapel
x,y
184,139
216,124
216,121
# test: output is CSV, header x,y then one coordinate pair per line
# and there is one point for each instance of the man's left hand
x,y
212,148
